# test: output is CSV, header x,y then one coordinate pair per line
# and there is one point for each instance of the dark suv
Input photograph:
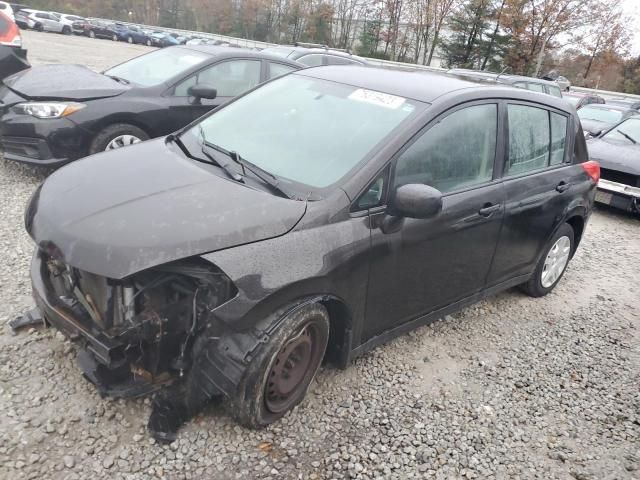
x,y
316,55
312,218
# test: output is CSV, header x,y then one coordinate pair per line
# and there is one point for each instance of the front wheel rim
x,y
292,368
122,141
556,262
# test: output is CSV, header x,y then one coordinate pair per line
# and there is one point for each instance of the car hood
x,y
120,212
63,82
613,155
594,126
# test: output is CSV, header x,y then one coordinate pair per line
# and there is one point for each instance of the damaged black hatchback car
x,y
310,219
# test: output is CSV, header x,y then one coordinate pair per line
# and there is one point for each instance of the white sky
x,y
632,8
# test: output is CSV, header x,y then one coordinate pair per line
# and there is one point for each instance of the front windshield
x,y
600,114
630,127
157,67
572,100
304,129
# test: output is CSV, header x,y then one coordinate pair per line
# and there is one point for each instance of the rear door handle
x,y
563,187
489,210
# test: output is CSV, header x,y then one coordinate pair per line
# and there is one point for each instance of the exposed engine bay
x,y
138,334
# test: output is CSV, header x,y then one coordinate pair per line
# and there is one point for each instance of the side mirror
x,y
416,201
202,90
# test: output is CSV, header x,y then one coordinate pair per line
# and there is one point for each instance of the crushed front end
x,y
137,334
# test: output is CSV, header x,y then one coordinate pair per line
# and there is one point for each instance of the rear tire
x,y
148,43
129,40
114,38
66,30
38,27
105,137
92,34
282,368
552,264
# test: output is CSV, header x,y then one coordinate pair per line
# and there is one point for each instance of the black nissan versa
x,y
310,219
53,114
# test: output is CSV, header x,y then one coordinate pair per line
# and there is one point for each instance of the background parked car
x,y
13,58
22,18
579,100
162,40
131,34
618,152
563,83
314,55
528,83
596,119
96,29
68,21
7,9
47,22
48,121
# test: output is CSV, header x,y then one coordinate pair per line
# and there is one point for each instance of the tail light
x,y
592,168
11,36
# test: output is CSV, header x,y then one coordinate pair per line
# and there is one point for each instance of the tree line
x,y
588,41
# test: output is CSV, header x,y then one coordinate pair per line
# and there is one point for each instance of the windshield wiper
x,y
207,150
266,177
119,79
629,137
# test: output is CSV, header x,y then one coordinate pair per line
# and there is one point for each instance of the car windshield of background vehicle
x,y
157,67
304,129
630,127
600,114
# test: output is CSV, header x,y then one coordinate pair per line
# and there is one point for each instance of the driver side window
x,y
455,153
229,78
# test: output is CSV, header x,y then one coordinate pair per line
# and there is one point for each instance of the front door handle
x,y
563,187
489,210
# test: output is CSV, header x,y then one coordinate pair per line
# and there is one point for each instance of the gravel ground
x,y
513,387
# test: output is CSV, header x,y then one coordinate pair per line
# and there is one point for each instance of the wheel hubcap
x,y
122,141
556,261
288,375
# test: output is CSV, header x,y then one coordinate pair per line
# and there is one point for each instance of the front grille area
x,y
25,147
620,177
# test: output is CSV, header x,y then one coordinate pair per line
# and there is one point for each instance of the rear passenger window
x,y
278,69
558,138
455,153
528,139
537,139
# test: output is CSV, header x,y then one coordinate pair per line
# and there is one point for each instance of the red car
x,y
13,58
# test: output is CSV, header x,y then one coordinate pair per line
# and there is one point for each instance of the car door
x,y
421,265
230,78
538,183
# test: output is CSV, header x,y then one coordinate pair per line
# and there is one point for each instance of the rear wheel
x,y
552,264
39,27
283,367
148,43
117,136
114,37
129,40
66,30
92,34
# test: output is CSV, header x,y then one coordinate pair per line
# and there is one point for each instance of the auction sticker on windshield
x,y
377,98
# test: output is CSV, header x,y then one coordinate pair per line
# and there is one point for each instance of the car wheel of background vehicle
x,y
129,40
92,34
117,136
66,30
148,42
39,27
552,264
282,368
114,38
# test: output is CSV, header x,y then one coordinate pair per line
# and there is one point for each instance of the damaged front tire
x,y
282,368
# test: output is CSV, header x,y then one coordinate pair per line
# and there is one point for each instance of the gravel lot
x,y
513,387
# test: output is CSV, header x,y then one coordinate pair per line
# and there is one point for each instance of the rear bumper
x,y
619,195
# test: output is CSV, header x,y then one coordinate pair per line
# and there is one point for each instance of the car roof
x,y
422,85
229,52
300,50
500,77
